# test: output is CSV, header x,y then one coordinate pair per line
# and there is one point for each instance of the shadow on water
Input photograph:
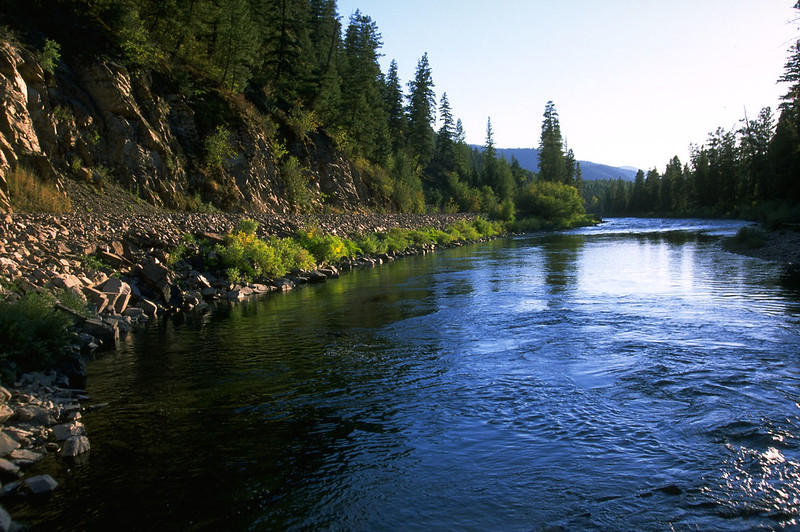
x,y
638,378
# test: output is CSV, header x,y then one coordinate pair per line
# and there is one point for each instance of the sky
x,y
635,82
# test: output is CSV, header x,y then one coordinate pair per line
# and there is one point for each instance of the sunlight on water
x,y
630,376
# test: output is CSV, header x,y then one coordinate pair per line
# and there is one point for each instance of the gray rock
x,y
7,444
5,520
8,469
33,415
25,457
5,413
67,430
41,484
75,445
108,333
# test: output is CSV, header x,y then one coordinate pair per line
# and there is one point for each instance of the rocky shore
x,y
779,246
117,259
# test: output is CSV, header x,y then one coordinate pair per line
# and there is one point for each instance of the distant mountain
x,y
529,159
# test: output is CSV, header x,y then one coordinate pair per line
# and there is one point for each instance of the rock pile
x,y
39,416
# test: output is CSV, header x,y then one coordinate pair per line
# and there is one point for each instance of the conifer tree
x,y
396,115
552,161
362,111
421,113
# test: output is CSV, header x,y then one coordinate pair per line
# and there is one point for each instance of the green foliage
x,y
218,147
556,204
296,181
50,56
247,257
746,238
326,249
35,335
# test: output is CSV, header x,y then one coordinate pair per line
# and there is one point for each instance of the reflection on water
x,y
629,376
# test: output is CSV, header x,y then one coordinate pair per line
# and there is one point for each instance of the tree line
x,y
749,171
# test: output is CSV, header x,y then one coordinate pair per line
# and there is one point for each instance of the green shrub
x,y
35,335
218,147
326,249
247,257
50,56
746,238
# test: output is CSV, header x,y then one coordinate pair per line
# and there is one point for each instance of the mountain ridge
x,y
529,159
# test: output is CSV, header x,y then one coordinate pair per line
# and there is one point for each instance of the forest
x,y
307,72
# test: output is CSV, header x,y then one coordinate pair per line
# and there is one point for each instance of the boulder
x,y
283,284
75,445
5,413
8,469
7,444
66,430
5,520
96,298
33,415
108,333
25,457
41,484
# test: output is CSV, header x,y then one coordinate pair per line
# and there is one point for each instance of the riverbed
x,y
632,375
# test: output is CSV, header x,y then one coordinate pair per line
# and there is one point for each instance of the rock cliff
x,y
93,121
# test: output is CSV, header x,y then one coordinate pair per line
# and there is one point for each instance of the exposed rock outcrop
x,y
94,121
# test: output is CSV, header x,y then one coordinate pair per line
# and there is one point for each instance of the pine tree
x,y
444,155
396,115
637,202
552,163
421,113
363,113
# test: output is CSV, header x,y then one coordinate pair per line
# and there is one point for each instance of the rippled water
x,y
628,376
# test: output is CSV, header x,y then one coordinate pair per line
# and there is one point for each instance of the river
x,y
629,376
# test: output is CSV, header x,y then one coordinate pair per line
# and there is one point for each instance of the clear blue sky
x,y
634,81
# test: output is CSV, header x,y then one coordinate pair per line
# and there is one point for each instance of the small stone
x,y
5,395
41,484
75,445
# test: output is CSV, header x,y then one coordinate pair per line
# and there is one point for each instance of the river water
x,y
630,376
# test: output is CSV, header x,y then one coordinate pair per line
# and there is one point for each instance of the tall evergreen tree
x,y
444,157
363,113
552,162
393,100
286,51
421,113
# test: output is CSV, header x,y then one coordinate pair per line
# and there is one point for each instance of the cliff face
x,y
93,121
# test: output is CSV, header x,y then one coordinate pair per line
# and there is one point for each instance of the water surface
x,y
628,376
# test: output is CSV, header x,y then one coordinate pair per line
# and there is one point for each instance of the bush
x,y
29,193
247,257
50,56
218,147
326,249
35,335
746,238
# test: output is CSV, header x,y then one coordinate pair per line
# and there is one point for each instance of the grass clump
x,y
30,193
36,335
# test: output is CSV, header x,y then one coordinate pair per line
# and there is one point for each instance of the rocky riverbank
x,y
118,261
779,246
